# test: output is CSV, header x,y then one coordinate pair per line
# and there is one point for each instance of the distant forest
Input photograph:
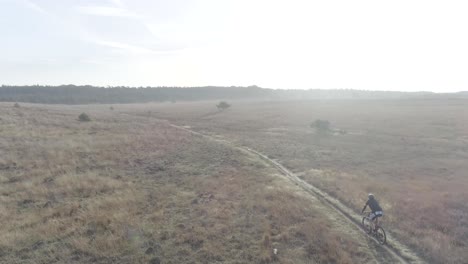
x,y
71,94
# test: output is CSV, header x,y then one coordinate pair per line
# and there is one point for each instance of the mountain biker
x,y
376,210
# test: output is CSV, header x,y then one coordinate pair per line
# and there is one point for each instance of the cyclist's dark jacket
x,y
373,204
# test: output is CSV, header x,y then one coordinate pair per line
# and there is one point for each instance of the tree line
x,y
72,94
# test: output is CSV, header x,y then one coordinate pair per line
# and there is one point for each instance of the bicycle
x,y
378,233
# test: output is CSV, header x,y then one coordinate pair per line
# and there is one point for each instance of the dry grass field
x,y
411,153
128,188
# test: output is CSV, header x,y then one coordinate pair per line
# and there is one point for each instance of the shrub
x,y
16,105
83,117
321,126
223,106
111,108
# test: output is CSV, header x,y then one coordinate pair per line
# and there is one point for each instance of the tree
x,y
223,106
84,118
321,126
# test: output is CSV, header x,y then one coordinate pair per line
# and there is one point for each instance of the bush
x,y
223,106
84,118
16,105
111,108
322,126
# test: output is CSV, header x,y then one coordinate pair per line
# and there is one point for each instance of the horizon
x,y
231,86
364,45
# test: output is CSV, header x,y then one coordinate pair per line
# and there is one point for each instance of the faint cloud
x,y
94,61
34,6
132,48
118,10
107,11
118,3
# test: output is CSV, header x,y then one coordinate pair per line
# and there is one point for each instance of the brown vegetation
x,y
411,153
129,189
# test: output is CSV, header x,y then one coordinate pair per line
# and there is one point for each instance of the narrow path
x,y
342,216
394,249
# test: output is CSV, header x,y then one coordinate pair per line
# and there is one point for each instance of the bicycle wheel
x,y
380,235
366,224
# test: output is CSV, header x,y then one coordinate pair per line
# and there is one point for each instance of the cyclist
x,y
376,210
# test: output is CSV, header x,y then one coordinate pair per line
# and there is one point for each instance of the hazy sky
x,y
380,45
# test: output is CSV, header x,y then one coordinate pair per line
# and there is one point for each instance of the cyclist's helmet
x,y
371,196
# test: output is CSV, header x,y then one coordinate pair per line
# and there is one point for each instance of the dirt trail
x,y
342,217
396,249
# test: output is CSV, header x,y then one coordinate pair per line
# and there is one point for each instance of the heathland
x,y
125,187
130,187
411,153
